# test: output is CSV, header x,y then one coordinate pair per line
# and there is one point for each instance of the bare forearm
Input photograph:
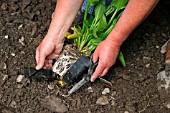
x,y
64,15
136,11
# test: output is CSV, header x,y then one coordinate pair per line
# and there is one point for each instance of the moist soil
x,y
23,24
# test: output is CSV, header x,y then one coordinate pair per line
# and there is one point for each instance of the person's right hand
x,y
48,50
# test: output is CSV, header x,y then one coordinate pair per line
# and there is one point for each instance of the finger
x,y
47,65
98,71
104,72
49,61
41,61
95,56
53,56
37,55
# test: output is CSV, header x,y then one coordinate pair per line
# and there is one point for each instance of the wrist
x,y
54,37
116,38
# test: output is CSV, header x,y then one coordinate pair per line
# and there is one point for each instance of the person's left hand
x,y
106,53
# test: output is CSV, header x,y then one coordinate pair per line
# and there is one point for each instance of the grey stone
x,y
55,104
103,100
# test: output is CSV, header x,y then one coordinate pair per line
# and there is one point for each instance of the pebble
x,y
6,36
3,78
4,6
20,26
20,78
5,66
168,106
164,35
114,93
163,48
157,47
12,54
126,112
51,87
147,65
113,103
21,40
146,59
90,90
34,30
126,77
13,104
106,91
13,6
103,100
55,104
25,3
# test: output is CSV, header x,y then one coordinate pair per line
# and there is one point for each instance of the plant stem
x,y
85,17
113,16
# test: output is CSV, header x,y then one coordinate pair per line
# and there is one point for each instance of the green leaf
x,y
121,4
91,2
111,8
99,11
121,59
102,24
95,32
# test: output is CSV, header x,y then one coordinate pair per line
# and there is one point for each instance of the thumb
x,y
40,59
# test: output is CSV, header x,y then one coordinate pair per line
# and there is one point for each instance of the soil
x,y
23,24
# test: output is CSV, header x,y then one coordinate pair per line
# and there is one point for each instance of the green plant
x,y
97,26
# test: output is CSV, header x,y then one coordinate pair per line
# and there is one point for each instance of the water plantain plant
x,y
97,26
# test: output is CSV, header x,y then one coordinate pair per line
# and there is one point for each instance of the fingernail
x,y
92,79
37,67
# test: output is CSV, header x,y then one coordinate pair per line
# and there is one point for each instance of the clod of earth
x,y
103,100
54,103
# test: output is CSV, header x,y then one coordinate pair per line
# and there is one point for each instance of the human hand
x,y
106,53
47,50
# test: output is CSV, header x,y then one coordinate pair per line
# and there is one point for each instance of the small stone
x,y
20,26
51,87
13,104
12,54
6,111
21,40
88,111
164,35
37,12
55,104
168,106
113,103
163,48
13,6
126,77
106,91
113,93
157,47
25,3
90,90
3,78
20,78
4,6
5,66
147,34
34,30
147,65
146,59
6,36
126,112
102,100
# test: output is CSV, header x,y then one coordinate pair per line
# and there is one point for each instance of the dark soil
x,y
23,24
